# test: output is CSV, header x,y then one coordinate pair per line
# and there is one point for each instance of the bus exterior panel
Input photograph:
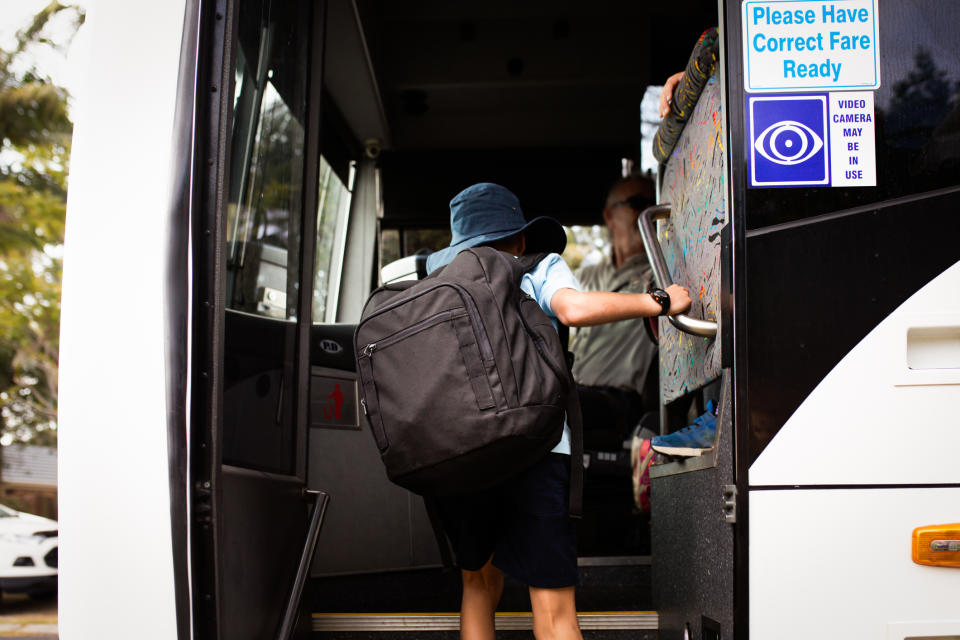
x,y
874,420
836,563
117,566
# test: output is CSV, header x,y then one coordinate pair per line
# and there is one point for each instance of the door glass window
x,y
263,213
585,244
389,246
264,210
400,243
332,217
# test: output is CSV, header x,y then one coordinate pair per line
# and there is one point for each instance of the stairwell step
x,y
505,621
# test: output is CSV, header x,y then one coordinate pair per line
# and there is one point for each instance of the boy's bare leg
x,y
481,594
554,614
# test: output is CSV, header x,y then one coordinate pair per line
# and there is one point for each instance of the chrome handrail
x,y
309,547
661,274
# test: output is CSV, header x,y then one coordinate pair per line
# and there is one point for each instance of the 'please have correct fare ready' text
x,y
831,31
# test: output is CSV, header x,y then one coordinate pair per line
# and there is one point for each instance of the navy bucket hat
x,y
487,212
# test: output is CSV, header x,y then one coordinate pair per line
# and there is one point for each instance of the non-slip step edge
x,y
507,621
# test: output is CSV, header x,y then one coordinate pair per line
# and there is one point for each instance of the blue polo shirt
x,y
548,277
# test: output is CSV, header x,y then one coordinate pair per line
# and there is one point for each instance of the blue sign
x,y
789,140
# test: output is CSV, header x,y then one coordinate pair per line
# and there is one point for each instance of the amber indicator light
x,y
937,545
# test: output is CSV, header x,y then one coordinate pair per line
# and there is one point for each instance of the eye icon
x,y
788,142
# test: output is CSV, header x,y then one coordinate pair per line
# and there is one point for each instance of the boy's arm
x,y
586,308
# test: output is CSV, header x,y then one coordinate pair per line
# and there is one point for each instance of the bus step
x,y
339,623
606,584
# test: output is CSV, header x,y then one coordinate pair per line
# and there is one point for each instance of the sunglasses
x,y
637,202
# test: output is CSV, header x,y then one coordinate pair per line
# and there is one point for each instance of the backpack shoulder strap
x,y
575,420
528,262
525,264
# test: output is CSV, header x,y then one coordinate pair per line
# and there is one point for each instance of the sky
x,y
61,66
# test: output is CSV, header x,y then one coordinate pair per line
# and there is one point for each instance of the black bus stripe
x,y
869,208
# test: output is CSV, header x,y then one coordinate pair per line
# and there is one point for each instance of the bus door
x,y
255,248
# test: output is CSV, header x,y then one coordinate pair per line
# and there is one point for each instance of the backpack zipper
x,y
368,349
480,332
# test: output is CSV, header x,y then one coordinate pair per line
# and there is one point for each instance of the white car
x,y
28,553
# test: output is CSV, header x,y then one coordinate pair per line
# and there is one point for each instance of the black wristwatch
x,y
662,298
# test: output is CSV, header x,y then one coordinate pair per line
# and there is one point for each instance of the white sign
x,y
853,144
810,45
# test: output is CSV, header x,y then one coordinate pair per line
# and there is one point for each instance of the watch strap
x,y
662,298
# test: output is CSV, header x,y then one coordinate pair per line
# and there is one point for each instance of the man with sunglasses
x,y
611,361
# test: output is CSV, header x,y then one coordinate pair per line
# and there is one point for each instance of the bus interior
x,y
417,101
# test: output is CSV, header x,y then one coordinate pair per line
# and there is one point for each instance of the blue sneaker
x,y
692,440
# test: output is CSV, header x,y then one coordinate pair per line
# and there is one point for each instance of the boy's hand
x,y
679,299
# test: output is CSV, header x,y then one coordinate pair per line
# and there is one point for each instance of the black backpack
x,y
463,378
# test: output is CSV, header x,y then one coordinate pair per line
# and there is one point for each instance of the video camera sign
x,y
824,139
789,138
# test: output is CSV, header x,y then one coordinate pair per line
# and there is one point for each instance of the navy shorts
x,y
523,523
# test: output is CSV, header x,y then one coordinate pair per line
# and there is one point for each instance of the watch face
x,y
662,298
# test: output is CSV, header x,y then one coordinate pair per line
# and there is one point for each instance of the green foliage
x,y
583,242
920,103
33,113
35,135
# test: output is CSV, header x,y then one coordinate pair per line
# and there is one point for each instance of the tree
x,y
35,133
920,102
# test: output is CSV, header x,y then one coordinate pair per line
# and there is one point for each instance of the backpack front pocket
x,y
433,368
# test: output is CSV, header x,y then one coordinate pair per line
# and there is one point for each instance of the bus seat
x,y
693,181
409,268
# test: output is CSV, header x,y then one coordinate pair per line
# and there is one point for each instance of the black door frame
x,y
731,29
215,62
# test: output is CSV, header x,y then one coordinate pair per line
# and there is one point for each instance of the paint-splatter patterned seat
x,y
693,183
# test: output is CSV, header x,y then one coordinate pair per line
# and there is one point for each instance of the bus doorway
x,y
544,99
